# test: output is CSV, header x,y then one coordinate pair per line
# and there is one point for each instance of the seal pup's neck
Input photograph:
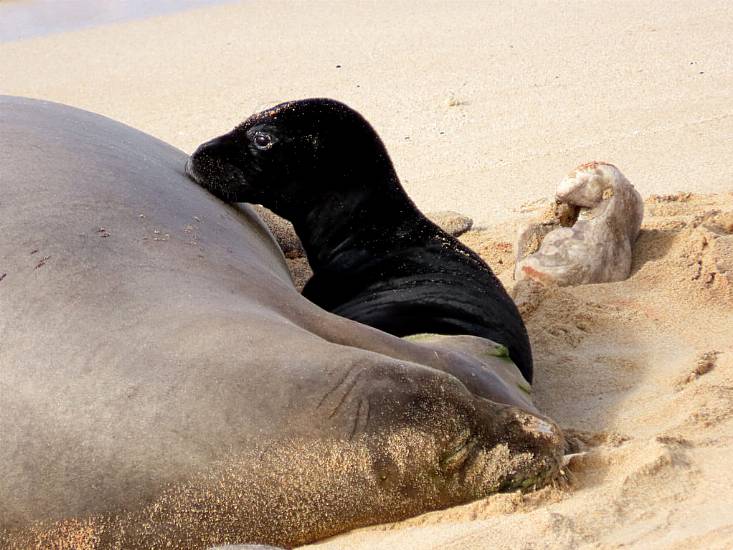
x,y
341,223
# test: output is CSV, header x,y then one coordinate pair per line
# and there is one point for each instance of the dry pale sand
x,y
484,106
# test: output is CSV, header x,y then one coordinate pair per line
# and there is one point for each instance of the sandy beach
x,y
484,106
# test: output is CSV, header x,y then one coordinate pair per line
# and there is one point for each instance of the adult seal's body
x,y
375,258
164,385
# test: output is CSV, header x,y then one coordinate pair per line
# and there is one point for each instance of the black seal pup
x,y
375,257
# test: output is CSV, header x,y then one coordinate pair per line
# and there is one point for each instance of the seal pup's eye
x,y
262,140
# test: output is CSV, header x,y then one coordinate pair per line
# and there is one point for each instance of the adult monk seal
x,y
375,257
165,386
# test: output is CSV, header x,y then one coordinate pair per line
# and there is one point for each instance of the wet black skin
x,y
375,258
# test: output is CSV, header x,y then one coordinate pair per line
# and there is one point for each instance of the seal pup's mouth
x,y
221,179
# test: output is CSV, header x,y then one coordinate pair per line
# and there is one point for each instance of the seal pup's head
x,y
295,155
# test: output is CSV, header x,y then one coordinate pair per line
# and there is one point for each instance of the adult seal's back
x,y
375,257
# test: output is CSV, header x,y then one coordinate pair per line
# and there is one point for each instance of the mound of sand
x,y
640,375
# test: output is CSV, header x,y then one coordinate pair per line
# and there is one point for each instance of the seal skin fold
x,y
165,385
375,257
